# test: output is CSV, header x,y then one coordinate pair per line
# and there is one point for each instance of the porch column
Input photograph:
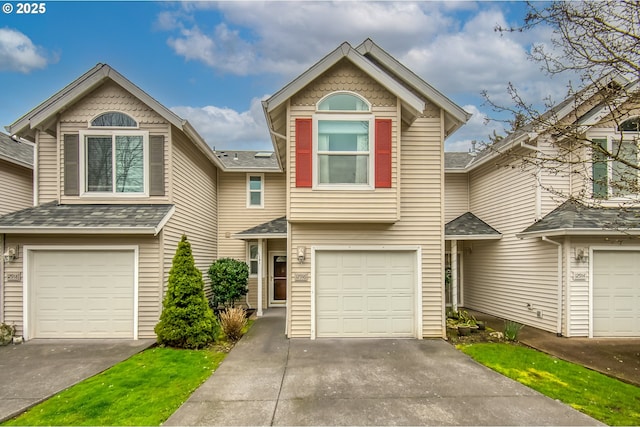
x,y
454,275
259,313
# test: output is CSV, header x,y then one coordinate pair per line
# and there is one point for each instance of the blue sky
x,y
212,62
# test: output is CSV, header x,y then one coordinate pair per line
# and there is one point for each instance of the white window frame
x,y
98,131
611,139
249,190
91,126
256,259
342,116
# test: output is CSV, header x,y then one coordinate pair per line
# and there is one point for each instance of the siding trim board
x,y
418,314
27,249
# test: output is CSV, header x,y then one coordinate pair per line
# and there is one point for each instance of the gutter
x,y
559,289
578,232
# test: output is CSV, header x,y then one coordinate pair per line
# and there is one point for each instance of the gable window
x,y
114,162
252,255
114,119
617,177
343,142
255,190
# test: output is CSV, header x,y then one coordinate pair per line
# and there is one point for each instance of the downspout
x,y
2,249
559,313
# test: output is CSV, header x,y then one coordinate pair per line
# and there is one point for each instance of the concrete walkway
x,y
270,380
38,369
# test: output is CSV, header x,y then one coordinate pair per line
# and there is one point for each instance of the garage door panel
x,y
81,294
365,294
616,293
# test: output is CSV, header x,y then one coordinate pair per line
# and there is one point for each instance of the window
x,y
343,142
255,191
114,119
253,258
616,177
114,162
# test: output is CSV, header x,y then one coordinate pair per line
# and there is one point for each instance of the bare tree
x,y
597,43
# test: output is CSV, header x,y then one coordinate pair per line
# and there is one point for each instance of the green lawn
x,y
604,398
143,390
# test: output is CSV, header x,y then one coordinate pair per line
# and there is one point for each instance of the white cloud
x,y
18,53
227,129
478,128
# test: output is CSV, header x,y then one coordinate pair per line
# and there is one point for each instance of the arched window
x,y
631,125
114,119
343,101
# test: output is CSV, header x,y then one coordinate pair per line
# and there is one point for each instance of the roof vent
x,y
235,156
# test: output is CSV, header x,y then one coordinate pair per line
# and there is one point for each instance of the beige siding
x,y
234,217
380,205
456,195
109,97
503,276
46,158
149,275
16,187
193,190
421,225
555,179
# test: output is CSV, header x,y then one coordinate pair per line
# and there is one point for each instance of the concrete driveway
x,y
269,380
38,369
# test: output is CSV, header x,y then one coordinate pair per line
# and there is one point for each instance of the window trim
x,y
99,131
249,190
249,259
344,92
344,116
611,139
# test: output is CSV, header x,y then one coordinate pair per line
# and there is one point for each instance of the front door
x,y
279,274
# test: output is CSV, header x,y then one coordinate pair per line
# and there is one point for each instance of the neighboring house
x,y
551,262
16,174
361,139
118,179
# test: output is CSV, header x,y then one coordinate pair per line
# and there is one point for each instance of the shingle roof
x,y
456,160
101,219
272,229
468,226
15,151
248,160
572,217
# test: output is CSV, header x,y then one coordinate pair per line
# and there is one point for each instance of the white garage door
x,y
365,294
616,294
81,294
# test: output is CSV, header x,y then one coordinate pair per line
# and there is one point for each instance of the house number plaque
x,y
13,277
301,277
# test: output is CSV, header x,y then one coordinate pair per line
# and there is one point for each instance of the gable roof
x,y
17,152
44,116
469,227
52,218
248,161
273,229
574,218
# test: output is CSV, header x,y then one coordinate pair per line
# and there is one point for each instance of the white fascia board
x,y
474,237
260,236
165,220
368,46
525,137
579,232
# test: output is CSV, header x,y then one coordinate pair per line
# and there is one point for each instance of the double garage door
x,y
616,293
365,293
81,294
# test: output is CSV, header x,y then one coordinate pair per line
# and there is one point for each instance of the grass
x,y
604,398
143,390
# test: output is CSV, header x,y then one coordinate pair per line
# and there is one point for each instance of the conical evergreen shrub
x,y
186,320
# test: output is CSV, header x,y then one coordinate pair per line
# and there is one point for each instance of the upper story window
x,y
114,119
618,177
255,190
114,162
343,142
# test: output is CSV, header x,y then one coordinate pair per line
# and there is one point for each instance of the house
x,y
118,178
16,174
361,141
554,263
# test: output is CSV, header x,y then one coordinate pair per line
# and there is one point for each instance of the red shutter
x,y
383,153
304,159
